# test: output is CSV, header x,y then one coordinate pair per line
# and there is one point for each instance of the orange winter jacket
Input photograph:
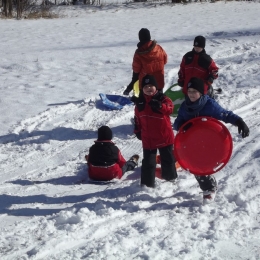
x,y
150,58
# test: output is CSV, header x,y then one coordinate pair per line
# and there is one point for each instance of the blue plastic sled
x,y
115,102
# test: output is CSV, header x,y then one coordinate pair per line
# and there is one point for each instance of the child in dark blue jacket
x,y
197,104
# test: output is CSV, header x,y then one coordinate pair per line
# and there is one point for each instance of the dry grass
x,y
46,14
36,12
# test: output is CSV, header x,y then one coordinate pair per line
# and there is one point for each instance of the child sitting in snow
x,y
197,104
105,161
153,127
197,63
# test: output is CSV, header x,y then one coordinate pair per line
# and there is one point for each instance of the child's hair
x,y
104,133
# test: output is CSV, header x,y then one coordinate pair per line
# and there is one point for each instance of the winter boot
x,y
130,164
134,158
209,196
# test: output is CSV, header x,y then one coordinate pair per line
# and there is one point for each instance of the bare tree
x,y
7,8
23,6
19,9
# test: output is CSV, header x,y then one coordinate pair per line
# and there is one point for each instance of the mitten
x,y
160,91
154,103
210,80
126,92
131,84
242,128
128,89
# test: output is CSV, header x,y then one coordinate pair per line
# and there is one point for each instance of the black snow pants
x,y
128,166
149,165
207,183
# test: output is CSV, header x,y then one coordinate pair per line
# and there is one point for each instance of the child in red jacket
x,y
105,161
153,127
197,63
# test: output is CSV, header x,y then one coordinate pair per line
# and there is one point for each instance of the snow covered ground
x,y
51,72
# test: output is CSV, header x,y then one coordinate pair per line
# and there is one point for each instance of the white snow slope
x,y
51,72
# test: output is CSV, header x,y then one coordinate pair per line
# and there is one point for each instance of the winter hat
x,y
149,79
197,84
199,41
104,133
144,35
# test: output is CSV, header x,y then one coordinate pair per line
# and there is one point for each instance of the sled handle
x,y
187,126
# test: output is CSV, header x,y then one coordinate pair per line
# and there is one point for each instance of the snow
x,y
51,74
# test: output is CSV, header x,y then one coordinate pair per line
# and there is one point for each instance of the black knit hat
x,y
149,79
197,84
199,41
144,35
104,133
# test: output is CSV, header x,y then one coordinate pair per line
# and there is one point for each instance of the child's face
x,y
198,49
149,90
193,94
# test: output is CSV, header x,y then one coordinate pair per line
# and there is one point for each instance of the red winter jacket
x,y
150,58
105,161
199,65
154,125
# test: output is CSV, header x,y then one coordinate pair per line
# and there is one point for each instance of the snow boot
x,y
134,159
209,196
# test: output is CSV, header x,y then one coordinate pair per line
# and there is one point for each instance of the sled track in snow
x,y
59,135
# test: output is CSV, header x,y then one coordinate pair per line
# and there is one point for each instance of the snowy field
x,y
51,74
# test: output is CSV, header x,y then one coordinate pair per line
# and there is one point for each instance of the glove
x,y
242,128
160,91
154,103
138,135
128,89
180,83
210,80
126,92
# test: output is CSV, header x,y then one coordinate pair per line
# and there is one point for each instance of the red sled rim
x,y
203,146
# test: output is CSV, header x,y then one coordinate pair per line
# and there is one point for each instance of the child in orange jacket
x,y
149,58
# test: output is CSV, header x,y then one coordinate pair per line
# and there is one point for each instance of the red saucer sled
x,y
203,146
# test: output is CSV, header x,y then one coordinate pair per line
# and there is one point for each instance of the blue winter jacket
x,y
205,106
